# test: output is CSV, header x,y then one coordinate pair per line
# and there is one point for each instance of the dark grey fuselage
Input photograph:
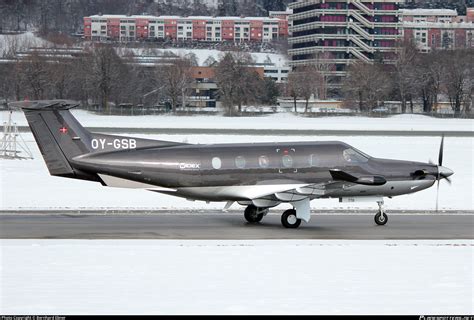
x,y
205,172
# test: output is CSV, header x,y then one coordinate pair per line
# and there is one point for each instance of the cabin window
x,y
264,162
287,161
240,162
352,156
216,163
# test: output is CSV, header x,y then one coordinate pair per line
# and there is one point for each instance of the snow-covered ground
x,y
202,54
20,42
287,121
279,60
26,184
236,277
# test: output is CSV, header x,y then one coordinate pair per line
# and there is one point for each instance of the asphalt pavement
x,y
167,225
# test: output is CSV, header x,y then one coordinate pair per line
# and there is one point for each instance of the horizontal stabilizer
x,y
364,180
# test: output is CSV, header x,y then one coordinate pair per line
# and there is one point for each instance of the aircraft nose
x,y
445,172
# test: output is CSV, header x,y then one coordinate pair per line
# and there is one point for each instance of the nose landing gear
x,y
381,217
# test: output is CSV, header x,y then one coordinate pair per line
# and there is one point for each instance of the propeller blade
x,y
441,152
448,179
437,198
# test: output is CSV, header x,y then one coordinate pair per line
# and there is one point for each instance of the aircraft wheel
x,y
381,218
253,214
290,220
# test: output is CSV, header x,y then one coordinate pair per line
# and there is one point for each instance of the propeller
x,y
443,173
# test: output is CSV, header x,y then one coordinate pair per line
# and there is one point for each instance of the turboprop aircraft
x,y
259,176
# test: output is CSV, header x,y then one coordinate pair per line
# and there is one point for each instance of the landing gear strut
x,y
290,220
254,214
381,217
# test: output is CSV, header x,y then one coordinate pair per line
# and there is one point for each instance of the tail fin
x,y
60,137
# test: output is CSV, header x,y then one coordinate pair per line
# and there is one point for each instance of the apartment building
x,y
438,29
136,28
335,33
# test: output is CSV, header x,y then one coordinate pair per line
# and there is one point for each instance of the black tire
x,y
381,219
253,214
289,219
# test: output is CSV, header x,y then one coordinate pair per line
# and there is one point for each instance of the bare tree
x,y
305,82
193,59
177,77
292,88
238,81
368,84
456,81
209,62
34,75
60,78
404,72
106,68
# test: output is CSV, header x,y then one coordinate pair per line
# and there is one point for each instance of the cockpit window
x,y
353,156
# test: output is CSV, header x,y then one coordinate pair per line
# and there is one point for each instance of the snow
x,y
20,41
279,121
26,184
429,12
187,18
202,54
236,277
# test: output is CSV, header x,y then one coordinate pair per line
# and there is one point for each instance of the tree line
x,y
414,77
105,77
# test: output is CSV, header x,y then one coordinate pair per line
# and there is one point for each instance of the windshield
x,y
355,156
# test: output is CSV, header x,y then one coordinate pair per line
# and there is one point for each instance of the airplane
x,y
259,176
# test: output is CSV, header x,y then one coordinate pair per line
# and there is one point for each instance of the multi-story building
x,y
335,33
434,29
237,29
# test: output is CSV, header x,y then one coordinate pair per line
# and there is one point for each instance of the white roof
x,y
115,16
429,12
288,11
440,25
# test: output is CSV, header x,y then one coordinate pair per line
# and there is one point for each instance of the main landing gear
x,y
381,217
255,215
290,220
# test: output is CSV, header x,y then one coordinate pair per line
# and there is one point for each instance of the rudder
x,y
60,137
